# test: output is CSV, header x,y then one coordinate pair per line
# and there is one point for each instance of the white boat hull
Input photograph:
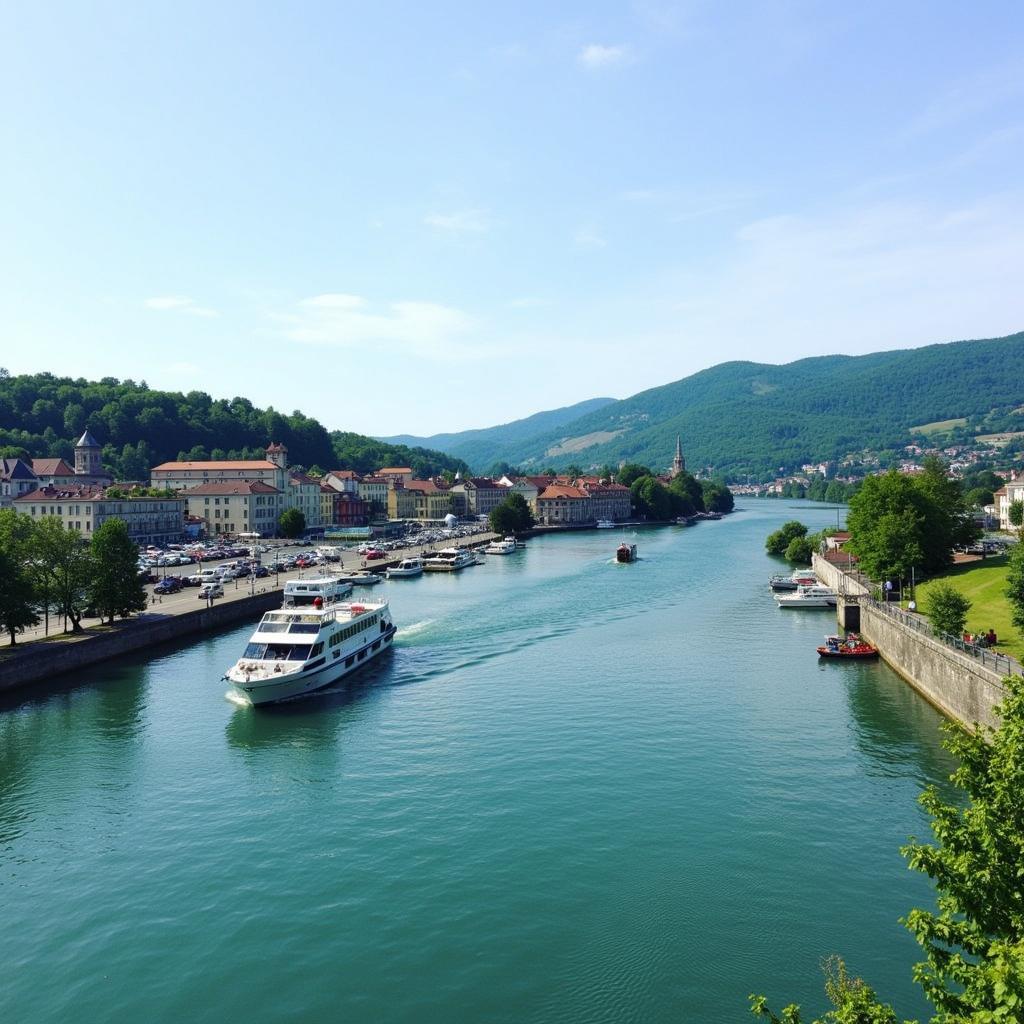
x,y
297,684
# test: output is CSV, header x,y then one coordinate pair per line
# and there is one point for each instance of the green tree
x,y
291,523
800,550
980,497
513,515
777,542
690,493
115,588
651,498
65,565
717,497
973,943
1015,585
629,473
947,609
887,525
17,595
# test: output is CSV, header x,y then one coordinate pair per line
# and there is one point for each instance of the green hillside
x,y
482,447
752,418
41,416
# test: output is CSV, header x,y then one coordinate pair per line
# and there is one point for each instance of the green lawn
x,y
984,584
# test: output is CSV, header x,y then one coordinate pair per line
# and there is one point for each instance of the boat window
x,y
305,627
273,627
317,649
349,661
255,651
287,652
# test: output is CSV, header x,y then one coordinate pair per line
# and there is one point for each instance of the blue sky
x,y
425,217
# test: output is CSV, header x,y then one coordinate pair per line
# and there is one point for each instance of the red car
x,y
373,553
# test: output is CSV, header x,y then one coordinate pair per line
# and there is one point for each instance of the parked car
x,y
260,571
373,553
208,591
167,586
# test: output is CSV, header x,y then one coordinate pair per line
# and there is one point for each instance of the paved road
x,y
188,599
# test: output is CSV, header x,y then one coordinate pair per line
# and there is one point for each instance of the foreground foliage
x,y
973,942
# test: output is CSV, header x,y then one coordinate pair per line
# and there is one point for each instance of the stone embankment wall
x,y
956,683
41,661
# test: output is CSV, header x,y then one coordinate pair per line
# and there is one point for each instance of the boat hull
x,y
300,684
857,655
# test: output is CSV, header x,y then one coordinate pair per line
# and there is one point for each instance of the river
x,y
574,791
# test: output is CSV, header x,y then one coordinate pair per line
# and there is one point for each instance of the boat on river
x,y
299,650
302,593
501,547
625,553
800,577
361,578
406,569
808,597
448,560
849,648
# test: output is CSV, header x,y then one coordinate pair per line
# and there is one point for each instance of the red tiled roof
x,y
561,491
253,464
51,467
232,487
393,469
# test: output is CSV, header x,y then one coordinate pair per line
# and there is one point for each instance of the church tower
x,y
678,462
87,457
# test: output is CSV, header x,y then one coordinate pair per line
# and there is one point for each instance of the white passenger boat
x,y
448,560
807,597
302,593
501,547
296,651
406,568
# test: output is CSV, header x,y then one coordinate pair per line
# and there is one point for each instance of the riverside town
x,y
512,515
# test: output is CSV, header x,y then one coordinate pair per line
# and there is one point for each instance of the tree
x,y
777,542
17,596
631,472
799,549
116,588
513,515
717,497
1015,585
688,490
65,564
947,609
973,943
291,523
651,498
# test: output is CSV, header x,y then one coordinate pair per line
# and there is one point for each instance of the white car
x,y
208,591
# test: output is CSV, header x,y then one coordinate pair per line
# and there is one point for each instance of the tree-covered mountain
x,y
752,418
41,416
482,447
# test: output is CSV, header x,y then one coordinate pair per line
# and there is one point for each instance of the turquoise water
x,y
574,791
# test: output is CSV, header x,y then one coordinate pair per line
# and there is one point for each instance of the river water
x,y
575,791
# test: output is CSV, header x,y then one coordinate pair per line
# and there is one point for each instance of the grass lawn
x,y
984,585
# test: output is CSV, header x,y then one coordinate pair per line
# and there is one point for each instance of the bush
x,y
947,609
778,541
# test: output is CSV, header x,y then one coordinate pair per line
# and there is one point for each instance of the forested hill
x,y
751,418
481,447
41,416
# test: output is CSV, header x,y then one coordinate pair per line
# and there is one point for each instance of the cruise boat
x,y
448,560
296,651
405,569
799,578
808,597
304,593
501,547
625,553
605,524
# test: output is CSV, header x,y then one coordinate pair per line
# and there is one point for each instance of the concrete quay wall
x,y
37,662
957,684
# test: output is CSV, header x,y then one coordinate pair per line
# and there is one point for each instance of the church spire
x,y
678,462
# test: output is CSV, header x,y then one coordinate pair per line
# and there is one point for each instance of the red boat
x,y
850,647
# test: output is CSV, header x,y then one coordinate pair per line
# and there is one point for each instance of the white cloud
x,y
461,221
178,304
595,57
588,238
425,329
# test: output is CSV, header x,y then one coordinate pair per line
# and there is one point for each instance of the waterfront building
x,y
304,494
182,476
342,480
525,488
374,490
86,507
1011,491
607,500
244,506
53,472
16,479
401,474
421,500
563,505
480,495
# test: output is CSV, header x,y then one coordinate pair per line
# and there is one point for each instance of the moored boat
x,y
448,560
799,578
361,578
406,568
297,651
501,547
808,597
850,647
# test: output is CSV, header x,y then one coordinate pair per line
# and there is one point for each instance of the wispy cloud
x,y
459,222
178,304
588,238
596,57
973,96
425,329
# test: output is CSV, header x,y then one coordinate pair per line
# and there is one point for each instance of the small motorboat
x,y
625,553
851,647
